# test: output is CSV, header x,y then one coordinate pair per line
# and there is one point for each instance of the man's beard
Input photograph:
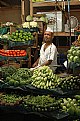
x,y
46,40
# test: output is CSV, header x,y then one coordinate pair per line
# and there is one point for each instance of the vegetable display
x,y
21,77
7,71
70,83
71,106
10,99
74,54
40,103
29,25
13,53
44,78
32,21
21,36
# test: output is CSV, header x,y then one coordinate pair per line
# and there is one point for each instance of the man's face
x,y
47,36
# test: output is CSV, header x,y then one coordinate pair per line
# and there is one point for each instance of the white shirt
x,y
50,53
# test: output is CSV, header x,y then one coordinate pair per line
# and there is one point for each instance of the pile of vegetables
x,y
71,106
7,71
31,19
44,78
21,77
78,99
40,103
13,53
10,99
74,54
21,36
29,25
70,83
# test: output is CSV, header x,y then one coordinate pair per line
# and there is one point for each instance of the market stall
x,y
38,94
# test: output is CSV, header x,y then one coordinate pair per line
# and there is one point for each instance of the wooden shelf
x,y
63,34
60,34
50,6
44,4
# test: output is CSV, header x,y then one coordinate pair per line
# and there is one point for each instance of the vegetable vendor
x,y
48,51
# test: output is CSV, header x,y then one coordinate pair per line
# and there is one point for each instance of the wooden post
x,y
22,11
12,29
29,54
31,8
36,39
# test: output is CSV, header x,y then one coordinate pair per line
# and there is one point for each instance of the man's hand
x,y
35,64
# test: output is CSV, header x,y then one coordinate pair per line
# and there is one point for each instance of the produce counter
x,y
41,94
11,113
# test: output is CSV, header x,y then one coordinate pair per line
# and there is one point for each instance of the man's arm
x,y
36,63
47,63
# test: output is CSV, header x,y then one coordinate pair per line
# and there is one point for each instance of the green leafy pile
x,y
7,71
20,78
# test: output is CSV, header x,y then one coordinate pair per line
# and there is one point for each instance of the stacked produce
x,y
70,83
71,106
74,54
21,77
7,71
44,78
21,36
33,20
10,99
13,53
40,103
29,25
78,99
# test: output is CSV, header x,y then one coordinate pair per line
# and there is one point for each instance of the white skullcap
x,y
49,29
